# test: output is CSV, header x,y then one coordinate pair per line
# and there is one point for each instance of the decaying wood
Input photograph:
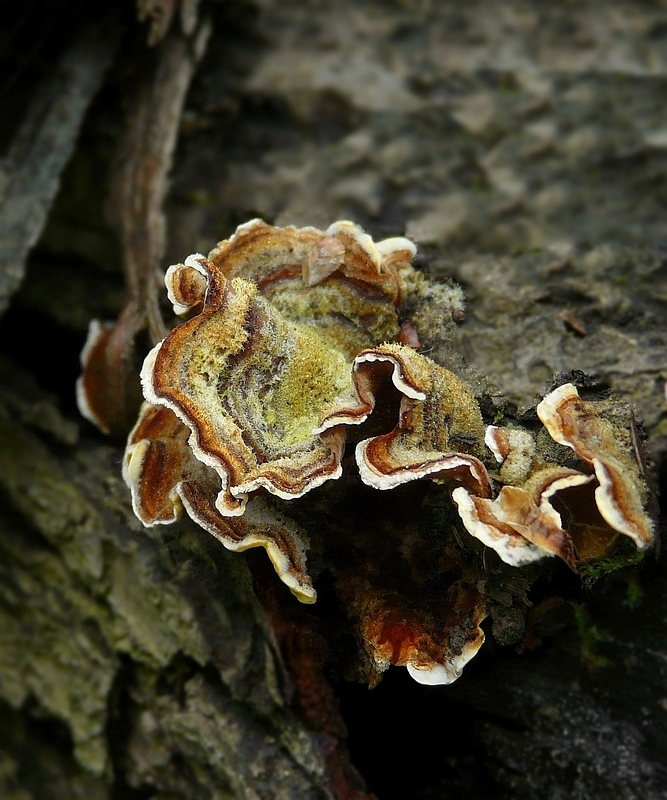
x,y
141,165
42,145
139,181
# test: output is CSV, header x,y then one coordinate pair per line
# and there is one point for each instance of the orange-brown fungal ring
x,y
435,645
186,285
165,478
440,430
255,386
265,254
91,394
155,463
254,389
337,281
262,374
107,391
521,525
621,494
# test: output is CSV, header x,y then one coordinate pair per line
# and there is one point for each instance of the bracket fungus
x,y
574,513
294,366
436,407
621,493
90,400
396,632
166,479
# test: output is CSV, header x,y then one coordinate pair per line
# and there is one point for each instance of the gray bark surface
x,y
31,169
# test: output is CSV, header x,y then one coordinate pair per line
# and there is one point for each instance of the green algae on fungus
x,y
251,397
265,391
436,409
253,388
165,479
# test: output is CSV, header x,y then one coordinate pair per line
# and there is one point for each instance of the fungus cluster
x,y
551,507
295,368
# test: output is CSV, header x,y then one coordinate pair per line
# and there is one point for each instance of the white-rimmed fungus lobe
x,y
574,513
165,479
90,399
621,494
436,409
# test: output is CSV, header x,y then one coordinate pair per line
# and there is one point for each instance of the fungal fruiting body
x,y
574,513
293,366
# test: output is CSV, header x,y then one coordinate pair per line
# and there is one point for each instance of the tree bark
x,y
524,150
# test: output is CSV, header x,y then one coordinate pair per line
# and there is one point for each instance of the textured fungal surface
x,y
436,411
553,504
520,524
165,479
88,395
261,373
293,390
611,451
254,389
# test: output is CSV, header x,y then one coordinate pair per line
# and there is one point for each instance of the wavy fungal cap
x,y
289,337
261,374
436,407
621,494
250,393
165,478
253,388
89,398
576,514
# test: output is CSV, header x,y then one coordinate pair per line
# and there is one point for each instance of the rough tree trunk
x,y
524,148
